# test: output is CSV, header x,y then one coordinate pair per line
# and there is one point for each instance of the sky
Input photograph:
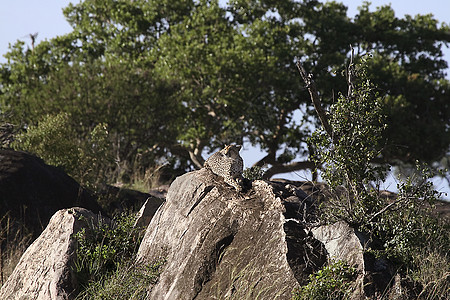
x,y
20,18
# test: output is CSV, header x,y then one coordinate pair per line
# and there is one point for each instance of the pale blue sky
x,y
19,18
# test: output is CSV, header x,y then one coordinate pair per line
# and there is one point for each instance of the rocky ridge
x,y
216,243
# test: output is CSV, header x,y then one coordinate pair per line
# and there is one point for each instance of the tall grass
x,y
105,264
14,240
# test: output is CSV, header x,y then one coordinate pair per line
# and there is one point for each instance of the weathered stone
x,y
147,211
341,242
218,243
45,269
32,191
347,244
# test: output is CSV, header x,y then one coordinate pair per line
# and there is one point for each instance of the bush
x,y
56,142
105,265
349,152
53,140
332,282
104,247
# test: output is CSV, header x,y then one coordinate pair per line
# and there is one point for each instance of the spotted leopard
x,y
227,163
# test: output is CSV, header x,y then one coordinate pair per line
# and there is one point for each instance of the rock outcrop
x,y
32,191
45,269
258,244
216,243
147,211
219,244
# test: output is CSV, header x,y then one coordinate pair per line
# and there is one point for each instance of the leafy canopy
x,y
176,79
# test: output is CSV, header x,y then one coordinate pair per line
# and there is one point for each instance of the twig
x,y
315,98
384,209
350,73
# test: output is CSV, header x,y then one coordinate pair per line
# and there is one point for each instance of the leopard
x,y
228,164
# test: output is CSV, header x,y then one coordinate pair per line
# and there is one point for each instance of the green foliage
x,y
128,281
173,79
347,157
334,281
52,140
409,225
253,173
403,228
55,141
105,264
104,247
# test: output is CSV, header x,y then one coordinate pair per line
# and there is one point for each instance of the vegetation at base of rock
x,y
128,282
104,265
335,281
403,228
16,241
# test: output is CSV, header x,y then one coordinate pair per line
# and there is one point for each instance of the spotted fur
x,y
227,163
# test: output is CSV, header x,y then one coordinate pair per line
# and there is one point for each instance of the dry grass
x,y
14,240
433,273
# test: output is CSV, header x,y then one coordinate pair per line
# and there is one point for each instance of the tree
x,y
176,79
404,227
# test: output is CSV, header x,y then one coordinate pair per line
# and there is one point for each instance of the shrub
x,y
56,142
53,139
347,153
104,247
348,149
332,282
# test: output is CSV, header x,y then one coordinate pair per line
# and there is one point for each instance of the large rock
x,y
32,191
342,242
45,269
120,199
219,244
147,211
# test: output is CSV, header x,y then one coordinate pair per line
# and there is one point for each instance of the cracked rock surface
x,y
221,244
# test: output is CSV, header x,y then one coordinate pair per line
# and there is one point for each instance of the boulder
x,y
217,243
342,242
45,269
32,191
147,211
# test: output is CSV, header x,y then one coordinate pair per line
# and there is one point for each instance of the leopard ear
x,y
226,149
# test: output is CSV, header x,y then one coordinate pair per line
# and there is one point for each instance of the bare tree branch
x,y
196,159
315,98
286,168
350,74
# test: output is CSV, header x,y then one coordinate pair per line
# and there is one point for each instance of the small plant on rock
x,y
105,266
253,173
333,282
